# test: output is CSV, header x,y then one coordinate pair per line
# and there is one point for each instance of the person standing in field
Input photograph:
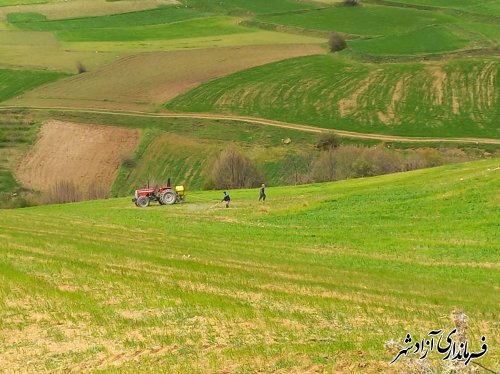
x,y
262,193
226,198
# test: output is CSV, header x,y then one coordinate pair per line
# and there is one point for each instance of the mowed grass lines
x,y
16,82
458,98
319,277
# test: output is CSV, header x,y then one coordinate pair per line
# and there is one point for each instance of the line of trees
x,y
331,161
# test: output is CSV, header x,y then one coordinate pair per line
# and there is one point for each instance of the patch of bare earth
x,y
85,155
153,78
438,84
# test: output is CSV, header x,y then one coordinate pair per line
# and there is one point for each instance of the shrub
x,y
336,42
81,68
328,140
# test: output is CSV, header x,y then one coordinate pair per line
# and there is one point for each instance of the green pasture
x,y
16,82
17,133
23,2
162,15
423,41
244,6
369,20
319,277
162,23
488,7
449,99
212,26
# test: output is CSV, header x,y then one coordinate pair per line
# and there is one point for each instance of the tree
x,y
295,168
328,140
233,169
337,42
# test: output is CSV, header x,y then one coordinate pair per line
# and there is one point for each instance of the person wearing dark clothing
x,y
262,193
226,198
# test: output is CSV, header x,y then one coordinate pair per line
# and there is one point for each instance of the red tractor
x,y
165,195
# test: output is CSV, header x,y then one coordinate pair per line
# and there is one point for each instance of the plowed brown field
x,y
86,155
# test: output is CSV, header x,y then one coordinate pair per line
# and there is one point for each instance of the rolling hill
x,y
317,279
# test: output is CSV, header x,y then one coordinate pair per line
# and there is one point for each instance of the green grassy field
x,y
490,7
245,7
16,82
457,98
210,26
17,133
163,15
318,278
366,20
434,39
22,2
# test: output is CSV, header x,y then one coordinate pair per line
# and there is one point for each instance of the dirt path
x,y
267,122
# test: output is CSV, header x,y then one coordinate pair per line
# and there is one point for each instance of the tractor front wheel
x,y
168,197
142,201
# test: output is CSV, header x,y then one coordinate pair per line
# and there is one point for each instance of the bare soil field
x,y
86,155
84,8
151,78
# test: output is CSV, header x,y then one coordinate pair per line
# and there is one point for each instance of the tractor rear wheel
x,y
168,197
142,201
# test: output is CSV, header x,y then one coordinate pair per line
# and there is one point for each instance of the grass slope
x,y
38,22
459,98
17,133
244,6
318,278
367,20
16,82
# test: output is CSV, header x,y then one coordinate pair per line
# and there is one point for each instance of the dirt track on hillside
x,y
86,155
267,122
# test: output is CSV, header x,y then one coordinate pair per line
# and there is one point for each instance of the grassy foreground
x,y
319,277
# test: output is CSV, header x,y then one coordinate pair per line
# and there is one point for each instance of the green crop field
x,y
459,98
175,30
244,6
163,15
489,7
16,82
17,133
425,41
367,20
319,278
22,2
